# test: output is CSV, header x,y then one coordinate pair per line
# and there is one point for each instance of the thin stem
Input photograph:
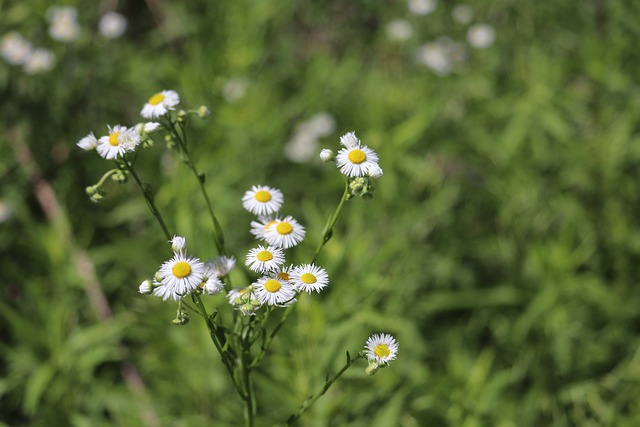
x,y
245,366
149,198
328,229
328,383
219,340
181,137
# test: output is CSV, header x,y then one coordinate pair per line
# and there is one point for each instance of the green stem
x,y
328,383
220,341
146,191
181,137
328,229
249,395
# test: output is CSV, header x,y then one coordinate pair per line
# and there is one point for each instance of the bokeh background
x,y
501,249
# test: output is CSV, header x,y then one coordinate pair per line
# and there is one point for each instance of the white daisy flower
x,y
160,103
112,25
262,200
271,290
88,143
381,348
259,227
213,285
355,159
284,233
263,260
119,141
179,276
244,300
309,277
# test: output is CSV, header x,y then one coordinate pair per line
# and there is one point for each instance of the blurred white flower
x,y
303,145
481,36
234,89
5,211
40,60
422,7
441,56
322,124
63,23
112,25
399,29
14,48
462,14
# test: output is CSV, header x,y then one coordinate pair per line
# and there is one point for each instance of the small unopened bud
x,y
375,171
97,196
178,243
181,115
88,143
204,112
119,176
146,287
327,155
372,368
182,318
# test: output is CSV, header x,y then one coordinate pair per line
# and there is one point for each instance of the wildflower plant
x,y
274,284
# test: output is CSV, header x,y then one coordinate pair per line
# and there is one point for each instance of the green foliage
x,y
501,248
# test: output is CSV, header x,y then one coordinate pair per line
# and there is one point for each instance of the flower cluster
x,y
184,274
279,284
358,162
122,139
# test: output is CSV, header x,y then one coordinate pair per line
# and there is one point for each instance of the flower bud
x,y
146,287
178,243
327,155
375,171
204,112
372,368
182,318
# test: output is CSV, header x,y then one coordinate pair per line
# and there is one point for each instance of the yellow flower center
x,y
283,275
156,99
357,156
113,139
382,350
181,269
308,278
284,228
272,285
262,196
264,256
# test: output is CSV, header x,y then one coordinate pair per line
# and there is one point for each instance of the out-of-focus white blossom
x,y
399,29
40,60
14,48
303,144
481,36
442,56
63,23
462,14
234,89
422,7
112,25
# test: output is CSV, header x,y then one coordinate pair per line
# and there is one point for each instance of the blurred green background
x,y
502,248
